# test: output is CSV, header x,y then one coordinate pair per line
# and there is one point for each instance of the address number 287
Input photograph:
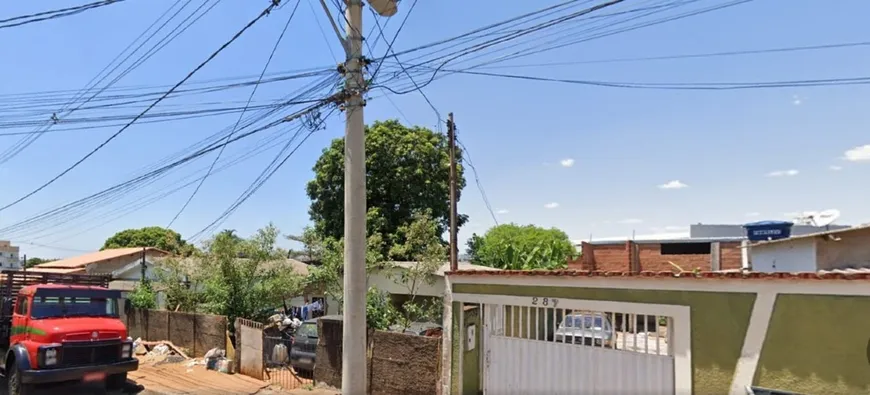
x,y
544,302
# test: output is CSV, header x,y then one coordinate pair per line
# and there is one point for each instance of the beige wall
x,y
851,250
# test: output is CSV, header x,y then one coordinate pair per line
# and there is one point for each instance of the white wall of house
x,y
798,255
384,282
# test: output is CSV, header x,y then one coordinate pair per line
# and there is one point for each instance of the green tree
x,y
407,171
232,276
516,247
31,262
423,246
143,296
152,236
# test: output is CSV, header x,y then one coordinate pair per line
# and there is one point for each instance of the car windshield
x,y
307,330
73,306
583,322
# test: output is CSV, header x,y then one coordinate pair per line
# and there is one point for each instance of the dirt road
x,y
173,379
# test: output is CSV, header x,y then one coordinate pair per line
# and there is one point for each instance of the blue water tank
x,y
768,230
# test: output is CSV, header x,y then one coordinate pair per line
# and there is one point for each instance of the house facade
x,y
709,333
842,249
125,265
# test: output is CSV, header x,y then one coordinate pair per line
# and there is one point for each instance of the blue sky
x,y
588,160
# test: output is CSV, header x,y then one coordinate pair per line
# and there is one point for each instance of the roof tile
x,y
822,275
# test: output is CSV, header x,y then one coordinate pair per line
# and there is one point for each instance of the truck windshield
x,y
73,306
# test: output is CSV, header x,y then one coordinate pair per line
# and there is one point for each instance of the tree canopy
x,y
515,247
31,262
233,276
407,172
152,236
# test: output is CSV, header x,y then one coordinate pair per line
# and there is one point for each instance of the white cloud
x,y
753,214
631,221
675,184
551,205
858,154
783,173
567,162
836,168
502,211
796,100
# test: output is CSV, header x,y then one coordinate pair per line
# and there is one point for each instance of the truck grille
x,y
90,353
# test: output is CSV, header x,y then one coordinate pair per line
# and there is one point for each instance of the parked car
x,y
590,329
304,347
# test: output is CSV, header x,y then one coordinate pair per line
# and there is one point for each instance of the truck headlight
x,y
49,355
126,350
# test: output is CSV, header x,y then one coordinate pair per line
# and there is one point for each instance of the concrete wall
x,y
797,255
398,364
197,333
817,345
852,249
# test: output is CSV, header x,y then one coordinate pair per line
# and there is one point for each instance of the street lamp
x,y
385,8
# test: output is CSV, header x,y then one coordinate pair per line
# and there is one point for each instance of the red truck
x,y
62,328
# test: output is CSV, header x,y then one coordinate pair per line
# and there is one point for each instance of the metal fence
x,y
278,368
267,358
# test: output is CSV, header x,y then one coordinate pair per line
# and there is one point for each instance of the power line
x,y
27,141
48,15
169,92
313,125
239,120
689,56
682,85
467,155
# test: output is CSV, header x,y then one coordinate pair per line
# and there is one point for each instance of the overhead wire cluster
x,y
315,95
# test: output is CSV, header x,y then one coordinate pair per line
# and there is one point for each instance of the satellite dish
x,y
806,218
825,218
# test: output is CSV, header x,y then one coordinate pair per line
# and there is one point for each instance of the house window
x,y
685,249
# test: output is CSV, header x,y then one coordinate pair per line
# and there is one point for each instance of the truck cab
x,y
57,332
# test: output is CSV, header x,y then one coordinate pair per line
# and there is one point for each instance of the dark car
x,y
304,347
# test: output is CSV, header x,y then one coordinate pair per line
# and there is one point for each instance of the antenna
x,y
825,218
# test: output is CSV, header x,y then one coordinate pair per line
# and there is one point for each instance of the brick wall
x,y
398,364
648,257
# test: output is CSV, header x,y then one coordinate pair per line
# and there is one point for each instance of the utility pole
x,y
142,266
354,380
451,137
353,367
24,264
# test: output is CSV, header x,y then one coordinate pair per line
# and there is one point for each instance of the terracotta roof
x,y
822,275
446,267
95,257
55,270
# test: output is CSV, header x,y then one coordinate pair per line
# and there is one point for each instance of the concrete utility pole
x,y
353,362
454,250
353,367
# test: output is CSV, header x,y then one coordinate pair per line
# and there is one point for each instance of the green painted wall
x,y
817,345
471,364
719,323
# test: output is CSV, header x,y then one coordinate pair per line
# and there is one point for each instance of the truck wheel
x,y
116,381
13,378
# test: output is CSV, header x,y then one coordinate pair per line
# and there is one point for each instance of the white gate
x,y
546,345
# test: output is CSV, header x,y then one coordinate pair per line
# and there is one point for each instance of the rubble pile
x,y
164,352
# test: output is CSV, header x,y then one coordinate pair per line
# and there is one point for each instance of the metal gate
x,y
249,337
547,345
